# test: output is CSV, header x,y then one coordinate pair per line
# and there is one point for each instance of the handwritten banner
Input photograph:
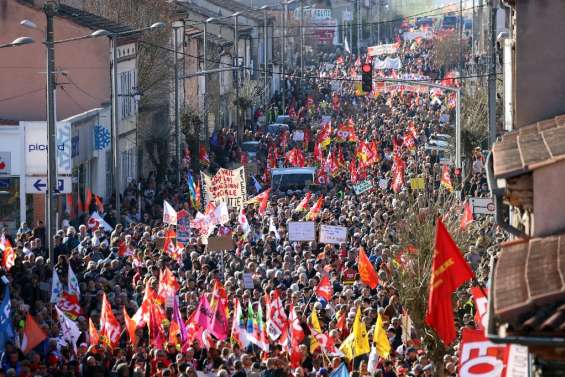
x,y
301,231
333,234
384,49
228,186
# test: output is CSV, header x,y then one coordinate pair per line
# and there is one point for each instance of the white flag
x,y
373,360
72,282
242,219
169,214
96,221
56,287
346,45
69,331
273,228
221,213
257,185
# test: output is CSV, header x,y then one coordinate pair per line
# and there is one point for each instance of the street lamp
x,y
18,42
265,98
236,74
176,26
283,48
205,68
115,132
50,10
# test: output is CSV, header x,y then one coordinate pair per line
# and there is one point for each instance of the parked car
x,y
440,140
276,128
251,148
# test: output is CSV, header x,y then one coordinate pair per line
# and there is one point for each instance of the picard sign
x,y
227,186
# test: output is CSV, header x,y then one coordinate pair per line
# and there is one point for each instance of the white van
x,y
283,179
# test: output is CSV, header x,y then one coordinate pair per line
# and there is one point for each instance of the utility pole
x,y
301,43
461,63
50,9
265,90
358,19
176,28
378,21
236,76
115,129
283,47
492,76
205,84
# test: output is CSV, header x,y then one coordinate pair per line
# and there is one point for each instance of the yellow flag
x,y
316,326
357,343
380,339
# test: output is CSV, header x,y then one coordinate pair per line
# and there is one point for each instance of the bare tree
x,y
154,67
416,230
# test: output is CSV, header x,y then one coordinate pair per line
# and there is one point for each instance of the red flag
x,y
467,216
32,336
340,60
168,285
303,205
449,271
353,173
131,326
366,270
88,200
296,337
316,209
481,307
70,206
203,155
446,178
110,329
318,156
93,333
478,356
8,255
295,157
155,326
169,244
324,289
99,204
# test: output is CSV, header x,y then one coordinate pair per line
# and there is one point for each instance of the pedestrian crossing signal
x,y
367,77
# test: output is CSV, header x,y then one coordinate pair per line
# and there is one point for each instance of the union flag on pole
x,y
449,272
446,178
110,329
8,254
366,270
324,289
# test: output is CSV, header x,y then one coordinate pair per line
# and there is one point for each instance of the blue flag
x,y
341,371
191,188
6,329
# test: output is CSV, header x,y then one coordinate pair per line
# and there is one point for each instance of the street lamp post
x,y
176,26
236,75
50,10
205,84
265,95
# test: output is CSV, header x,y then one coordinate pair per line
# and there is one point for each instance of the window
x,y
125,94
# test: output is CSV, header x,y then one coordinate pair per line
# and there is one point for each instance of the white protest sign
x,y
298,135
483,206
248,281
228,186
383,183
301,231
362,187
333,234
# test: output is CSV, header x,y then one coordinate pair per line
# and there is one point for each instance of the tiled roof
x,y
90,20
530,147
529,285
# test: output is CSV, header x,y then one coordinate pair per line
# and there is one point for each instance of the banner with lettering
x,y
228,186
480,357
183,226
383,49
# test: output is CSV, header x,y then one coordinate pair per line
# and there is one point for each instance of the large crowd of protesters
x,y
400,123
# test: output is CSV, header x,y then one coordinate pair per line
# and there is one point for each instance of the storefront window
x,y
10,202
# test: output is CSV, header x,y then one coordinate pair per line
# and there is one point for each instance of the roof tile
x,y
510,289
542,271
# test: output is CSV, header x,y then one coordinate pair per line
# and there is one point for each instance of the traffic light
x,y
367,77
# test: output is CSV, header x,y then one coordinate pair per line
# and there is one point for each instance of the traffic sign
x,y
483,206
38,185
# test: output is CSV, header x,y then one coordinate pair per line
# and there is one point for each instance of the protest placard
x,y
228,186
362,187
220,243
333,234
301,231
183,226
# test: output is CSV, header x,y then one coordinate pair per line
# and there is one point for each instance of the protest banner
x,y
248,281
301,231
480,357
362,187
183,226
333,234
222,243
384,49
228,186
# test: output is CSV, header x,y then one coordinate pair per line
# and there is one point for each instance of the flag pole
x,y
480,287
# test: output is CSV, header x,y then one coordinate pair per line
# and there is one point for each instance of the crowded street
x,y
342,226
